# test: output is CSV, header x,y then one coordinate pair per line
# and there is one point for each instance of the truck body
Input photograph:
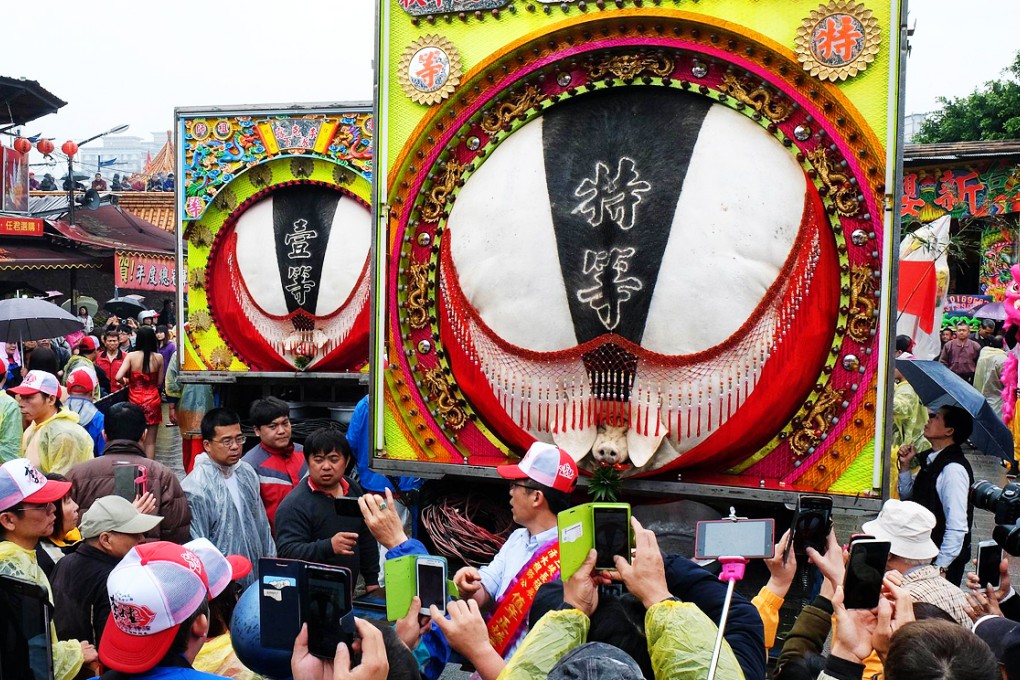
x,y
657,234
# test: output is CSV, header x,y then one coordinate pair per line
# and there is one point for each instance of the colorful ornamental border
x,y
209,345
838,41
818,125
430,69
216,150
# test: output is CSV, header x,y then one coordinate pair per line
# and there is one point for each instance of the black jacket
x,y
306,521
80,602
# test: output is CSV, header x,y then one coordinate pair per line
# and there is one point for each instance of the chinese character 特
x,y
615,198
595,265
298,240
838,38
300,284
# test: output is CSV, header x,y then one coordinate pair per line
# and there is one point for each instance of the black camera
x,y
1005,503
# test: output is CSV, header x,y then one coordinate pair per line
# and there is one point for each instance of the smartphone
x,y
811,524
430,580
750,538
347,507
325,599
280,583
25,641
988,561
129,481
611,533
862,585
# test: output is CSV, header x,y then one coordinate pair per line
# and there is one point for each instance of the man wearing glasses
x,y
540,488
27,514
277,460
223,493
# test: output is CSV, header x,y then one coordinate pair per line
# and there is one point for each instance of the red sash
x,y
506,623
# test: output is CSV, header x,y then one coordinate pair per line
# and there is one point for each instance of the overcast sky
x,y
120,61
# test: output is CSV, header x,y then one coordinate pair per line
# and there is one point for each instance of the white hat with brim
x,y
907,526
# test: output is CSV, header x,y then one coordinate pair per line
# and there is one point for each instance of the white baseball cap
x,y
219,568
38,381
19,481
155,588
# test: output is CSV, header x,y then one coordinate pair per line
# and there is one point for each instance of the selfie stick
x,y
732,571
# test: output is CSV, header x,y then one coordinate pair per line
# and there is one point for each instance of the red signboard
x,y
20,226
145,271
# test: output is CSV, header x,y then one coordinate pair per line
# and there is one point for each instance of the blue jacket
x,y
357,437
92,419
744,629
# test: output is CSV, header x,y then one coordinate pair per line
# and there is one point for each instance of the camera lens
x,y
1008,537
985,495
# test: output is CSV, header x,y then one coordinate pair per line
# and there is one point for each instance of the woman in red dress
x,y
142,372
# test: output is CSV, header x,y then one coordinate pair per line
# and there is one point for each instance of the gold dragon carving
x,y
836,180
417,295
439,193
446,402
516,105
630,66
862,304
810,428
760,99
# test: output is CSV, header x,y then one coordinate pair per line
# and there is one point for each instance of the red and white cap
x,y
38,381
219,568
546,464
19,481
152,591
89,343
82,379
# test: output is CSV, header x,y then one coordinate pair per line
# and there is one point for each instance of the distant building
x,y
912,125
131,153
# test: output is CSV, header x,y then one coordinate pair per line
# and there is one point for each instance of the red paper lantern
x,y
45,147
69,148
22,145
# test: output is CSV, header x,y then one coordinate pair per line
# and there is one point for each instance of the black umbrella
x,y
124,307
936,386
78,176
32,319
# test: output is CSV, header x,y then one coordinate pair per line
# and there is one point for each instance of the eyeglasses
x,y
521,485
230,442
46,507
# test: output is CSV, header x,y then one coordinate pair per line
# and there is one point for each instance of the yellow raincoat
x,y
680,642
57,443
20,563
217,657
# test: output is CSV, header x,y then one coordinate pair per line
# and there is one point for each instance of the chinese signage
x,y
21,226
145,272
975,190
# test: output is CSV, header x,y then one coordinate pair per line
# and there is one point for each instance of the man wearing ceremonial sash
x,y
540,488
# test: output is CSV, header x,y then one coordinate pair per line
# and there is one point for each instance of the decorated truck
x,y
275,230
657,233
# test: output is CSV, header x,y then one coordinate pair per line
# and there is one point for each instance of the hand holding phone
x,y
326,600
812,523
611,528
645,578
988,560
431,584
862,586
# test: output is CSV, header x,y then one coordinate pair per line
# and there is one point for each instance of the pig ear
x,y
644,437
576,442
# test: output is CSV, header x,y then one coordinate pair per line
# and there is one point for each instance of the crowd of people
x,y
156,182
144,575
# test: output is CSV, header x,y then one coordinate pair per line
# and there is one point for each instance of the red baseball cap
x,y
81,379
546,464
155,588
89,343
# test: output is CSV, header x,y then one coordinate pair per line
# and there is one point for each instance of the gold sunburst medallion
x,y
430,69
838,40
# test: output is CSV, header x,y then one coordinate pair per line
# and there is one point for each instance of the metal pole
x,y
70,189
722,628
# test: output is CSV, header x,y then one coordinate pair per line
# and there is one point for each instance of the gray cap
x,y
596,660
113,513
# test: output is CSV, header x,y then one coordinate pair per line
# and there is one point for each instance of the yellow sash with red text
x,y
507,620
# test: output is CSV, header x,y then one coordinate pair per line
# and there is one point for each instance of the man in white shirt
x,y
540,489
943,486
